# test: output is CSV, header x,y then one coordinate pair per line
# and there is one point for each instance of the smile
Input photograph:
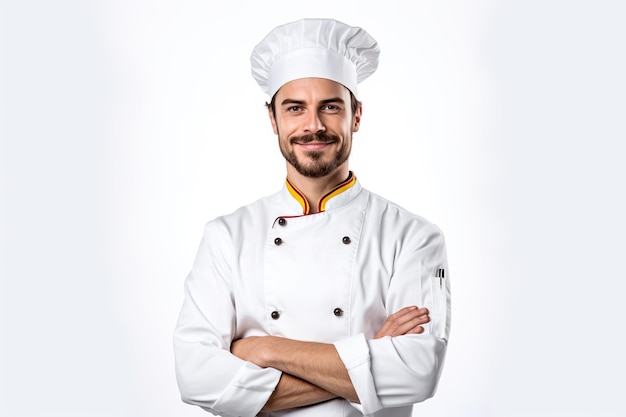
x,y
314,146
318,140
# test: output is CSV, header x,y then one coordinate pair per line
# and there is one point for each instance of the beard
x,y
316,167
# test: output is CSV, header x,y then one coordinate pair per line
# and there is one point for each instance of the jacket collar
x,y
340,195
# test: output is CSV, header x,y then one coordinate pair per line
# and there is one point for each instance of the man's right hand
x,y
407,320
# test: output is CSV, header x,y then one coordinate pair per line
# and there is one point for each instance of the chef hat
x,y
319,48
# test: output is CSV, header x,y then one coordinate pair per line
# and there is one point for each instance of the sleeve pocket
x,y
439,314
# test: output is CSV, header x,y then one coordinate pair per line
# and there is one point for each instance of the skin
x,y
313,106
313,372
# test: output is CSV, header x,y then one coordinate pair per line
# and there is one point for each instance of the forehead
x,y
312,90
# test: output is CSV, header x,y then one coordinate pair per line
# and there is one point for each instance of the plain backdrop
x,y
128,124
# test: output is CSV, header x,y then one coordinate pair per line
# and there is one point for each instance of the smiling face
x,y
314,122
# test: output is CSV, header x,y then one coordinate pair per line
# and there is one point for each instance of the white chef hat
x,y
319,48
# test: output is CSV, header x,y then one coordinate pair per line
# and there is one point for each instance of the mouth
x,y
314,141
313,146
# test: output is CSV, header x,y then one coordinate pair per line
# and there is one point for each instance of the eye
x,y
331,108
293,109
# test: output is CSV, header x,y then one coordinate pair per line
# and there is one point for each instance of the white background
x,y
128,124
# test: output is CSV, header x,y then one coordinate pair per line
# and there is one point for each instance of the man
x,y
323,299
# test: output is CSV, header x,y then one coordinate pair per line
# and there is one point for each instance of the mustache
x,y
317,137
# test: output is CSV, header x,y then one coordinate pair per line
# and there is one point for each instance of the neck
x,y
314,189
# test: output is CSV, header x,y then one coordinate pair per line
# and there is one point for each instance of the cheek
x,y
279,125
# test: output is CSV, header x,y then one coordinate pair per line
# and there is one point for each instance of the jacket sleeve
x,y
403,370
208,375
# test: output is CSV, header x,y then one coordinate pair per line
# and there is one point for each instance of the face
x,y
314,123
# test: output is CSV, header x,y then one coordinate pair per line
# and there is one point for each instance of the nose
x,y
313,123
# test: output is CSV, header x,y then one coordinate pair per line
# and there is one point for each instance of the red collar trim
x,y
306,208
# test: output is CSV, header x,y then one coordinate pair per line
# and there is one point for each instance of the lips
x,y
312,143
320,138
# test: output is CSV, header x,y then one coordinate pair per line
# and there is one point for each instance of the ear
x,y
272,120
356,119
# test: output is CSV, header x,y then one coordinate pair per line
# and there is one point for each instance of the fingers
x,y
408,320
416,330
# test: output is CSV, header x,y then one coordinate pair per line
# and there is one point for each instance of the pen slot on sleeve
x,y
439,313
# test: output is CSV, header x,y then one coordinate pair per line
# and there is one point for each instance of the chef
x,y
323,299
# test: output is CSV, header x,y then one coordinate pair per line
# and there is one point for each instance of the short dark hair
x,y
354,103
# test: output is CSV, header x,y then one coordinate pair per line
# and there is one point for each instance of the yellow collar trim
x,y
306,208
299,197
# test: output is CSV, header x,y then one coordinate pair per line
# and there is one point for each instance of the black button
x,y
346,240
282,221
278,241
275,315
338,312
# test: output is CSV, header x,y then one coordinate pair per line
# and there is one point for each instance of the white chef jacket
x,y
332,277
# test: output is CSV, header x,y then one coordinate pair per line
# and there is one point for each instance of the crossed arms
x,y
313,372
374,368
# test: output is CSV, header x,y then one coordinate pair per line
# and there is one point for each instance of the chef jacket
x,y
271,268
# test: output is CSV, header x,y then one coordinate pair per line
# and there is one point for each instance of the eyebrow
x,y
291,101
333,100
301,102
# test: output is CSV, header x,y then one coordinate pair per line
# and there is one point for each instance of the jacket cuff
x,y
248,391
355,354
